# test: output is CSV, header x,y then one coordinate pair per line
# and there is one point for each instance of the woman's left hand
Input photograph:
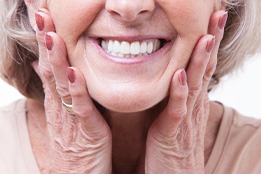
x,y
175,142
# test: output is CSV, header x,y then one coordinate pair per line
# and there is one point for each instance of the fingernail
x,y
210,44
222,21
71,75
182,78
48,42
39,21
41,10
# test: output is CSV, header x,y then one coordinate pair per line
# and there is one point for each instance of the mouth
x,y
129,49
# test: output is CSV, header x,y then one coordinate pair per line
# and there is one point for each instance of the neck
x,y
129,132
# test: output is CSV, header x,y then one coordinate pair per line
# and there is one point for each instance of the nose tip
x,y
129,10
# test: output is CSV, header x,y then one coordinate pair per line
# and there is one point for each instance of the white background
x,y
241,90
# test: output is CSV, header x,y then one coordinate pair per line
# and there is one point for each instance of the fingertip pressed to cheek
x,y
77,82
82,103
210,44
48,41
182,77
179,88
204,47
56,49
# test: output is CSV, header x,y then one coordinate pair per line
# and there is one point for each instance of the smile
x,y
129,49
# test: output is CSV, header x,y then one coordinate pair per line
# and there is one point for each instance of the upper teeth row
x,y
126,49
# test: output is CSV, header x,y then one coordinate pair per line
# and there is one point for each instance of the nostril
x,y
144,11
114,13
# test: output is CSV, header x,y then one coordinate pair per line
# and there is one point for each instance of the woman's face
x,y
128,50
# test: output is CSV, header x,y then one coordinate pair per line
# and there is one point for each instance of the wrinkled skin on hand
x,y
81,142
175,141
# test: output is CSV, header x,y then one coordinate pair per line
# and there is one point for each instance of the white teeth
x,y
150,48
126,49
110,46
135,48
116,46
143,47
104,45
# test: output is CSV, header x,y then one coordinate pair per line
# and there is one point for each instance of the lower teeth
x,y
126,55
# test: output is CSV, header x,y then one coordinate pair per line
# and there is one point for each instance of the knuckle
x,y
176,112
194,90
85,111
201,62
77,94
211,68
198,113
62,90
179,96
47,74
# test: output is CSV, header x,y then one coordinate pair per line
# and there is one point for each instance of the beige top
x,y
237,149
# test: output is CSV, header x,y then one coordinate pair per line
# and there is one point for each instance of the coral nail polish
x,y
182,77
71,75
210,44
40,10
222,21
48,42
39,21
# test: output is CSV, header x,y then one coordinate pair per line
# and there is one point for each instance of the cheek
x,y
190,18
72,18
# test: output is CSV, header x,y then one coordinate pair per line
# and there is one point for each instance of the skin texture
x,y
167,137
129,88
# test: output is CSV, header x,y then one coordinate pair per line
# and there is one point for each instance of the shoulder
x,y
12,133
244,130
10,119
10,113
14,107
241,121
238,144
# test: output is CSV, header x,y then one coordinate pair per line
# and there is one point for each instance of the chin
x,y
127,102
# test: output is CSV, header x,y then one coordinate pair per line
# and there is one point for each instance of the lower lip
x,y
132,60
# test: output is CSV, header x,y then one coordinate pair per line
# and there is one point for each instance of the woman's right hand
x,y
80,141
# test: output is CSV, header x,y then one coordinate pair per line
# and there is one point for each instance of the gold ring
x,y
68,107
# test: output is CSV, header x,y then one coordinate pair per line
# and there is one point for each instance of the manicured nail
x,y
182,78
48,42
222,21
71,75
210,44
39,21
40,10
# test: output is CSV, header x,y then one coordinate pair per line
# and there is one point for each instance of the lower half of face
x,y
130,83
131,71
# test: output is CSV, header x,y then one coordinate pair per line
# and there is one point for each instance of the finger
x,y
89,117
197,67
216,28
44,24
57,56
167,123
